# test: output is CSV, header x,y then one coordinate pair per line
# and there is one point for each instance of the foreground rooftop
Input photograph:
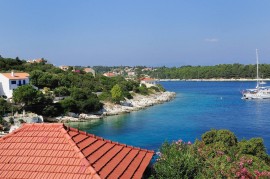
x,y
57,151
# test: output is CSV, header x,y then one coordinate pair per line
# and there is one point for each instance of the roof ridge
x,y
11,134
84,161
23,126
106,140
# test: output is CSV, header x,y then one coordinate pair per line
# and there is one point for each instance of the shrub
x,y
161,88
253,147
105,96
156,89
127,95
174,164
217,155
143,90
1,120
223,136
11,120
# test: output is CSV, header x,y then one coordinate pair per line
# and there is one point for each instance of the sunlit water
x,y
197,108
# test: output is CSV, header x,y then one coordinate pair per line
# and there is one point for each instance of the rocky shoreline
x,y
137,103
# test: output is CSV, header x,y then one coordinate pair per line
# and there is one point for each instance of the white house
x,y
11,81
64,67
148,82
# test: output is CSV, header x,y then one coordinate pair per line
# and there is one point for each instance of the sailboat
x,y
261,91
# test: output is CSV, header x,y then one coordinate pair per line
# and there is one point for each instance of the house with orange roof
x,y
11,81
89,70
148,81
109,74
57,151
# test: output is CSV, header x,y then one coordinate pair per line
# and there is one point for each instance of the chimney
x,y
12,73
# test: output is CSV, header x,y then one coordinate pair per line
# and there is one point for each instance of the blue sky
x,y
141,32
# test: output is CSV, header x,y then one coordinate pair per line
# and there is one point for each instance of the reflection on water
x,y
114,123
85,125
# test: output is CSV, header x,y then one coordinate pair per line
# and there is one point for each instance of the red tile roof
x,y
57,151
16,75
109,74
147,79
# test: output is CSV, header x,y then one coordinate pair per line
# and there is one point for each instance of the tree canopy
x,y
218,155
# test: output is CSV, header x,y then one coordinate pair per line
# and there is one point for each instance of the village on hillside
x,y
18,113
28,100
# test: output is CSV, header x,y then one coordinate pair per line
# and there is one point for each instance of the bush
x,y
156,89
1,120
52,110
105,96
253,147
127,95
175,164
161,88
143,90
61,91
90,105
223,136
69,105
11,120
218,155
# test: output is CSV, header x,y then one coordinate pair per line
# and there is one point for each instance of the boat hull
x,y
258,95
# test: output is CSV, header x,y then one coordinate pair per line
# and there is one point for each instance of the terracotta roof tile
x,y
16,75
57,151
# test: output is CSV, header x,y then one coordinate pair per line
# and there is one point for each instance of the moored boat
x,y
261,91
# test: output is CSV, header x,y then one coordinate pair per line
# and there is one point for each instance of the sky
x,y
136,32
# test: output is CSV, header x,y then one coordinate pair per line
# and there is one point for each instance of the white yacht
x,y
261,91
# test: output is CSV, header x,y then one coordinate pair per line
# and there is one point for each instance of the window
x,y
13,82
24,82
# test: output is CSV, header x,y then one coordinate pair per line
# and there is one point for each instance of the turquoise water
x,y
197,108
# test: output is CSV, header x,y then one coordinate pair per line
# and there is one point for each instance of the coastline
x,y
216,79
138,102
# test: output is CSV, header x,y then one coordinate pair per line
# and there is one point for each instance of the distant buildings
x,y
39,60
64,67
131,73
109,74
89,70
148,82
11,81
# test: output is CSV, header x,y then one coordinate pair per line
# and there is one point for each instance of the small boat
x,y
261,91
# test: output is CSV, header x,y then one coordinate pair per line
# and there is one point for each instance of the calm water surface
x,y
197,108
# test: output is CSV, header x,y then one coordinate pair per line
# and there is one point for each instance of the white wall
x,y
7,88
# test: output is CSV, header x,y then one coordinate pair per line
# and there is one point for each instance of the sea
x,y
197,108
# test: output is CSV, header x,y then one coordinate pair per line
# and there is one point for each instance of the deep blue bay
x,y
197,108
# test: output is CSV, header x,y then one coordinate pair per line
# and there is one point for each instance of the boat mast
x,y
257,57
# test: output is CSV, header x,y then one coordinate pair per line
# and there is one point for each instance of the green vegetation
x,y
76,91
218,155
117,93
206,72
